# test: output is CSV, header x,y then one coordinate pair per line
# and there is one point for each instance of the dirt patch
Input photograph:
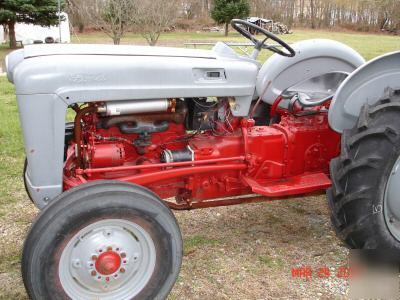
x,y
241,252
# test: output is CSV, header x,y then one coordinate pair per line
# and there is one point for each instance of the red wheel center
x,y
108,263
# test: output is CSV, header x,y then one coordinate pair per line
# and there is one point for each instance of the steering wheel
x,y
236,24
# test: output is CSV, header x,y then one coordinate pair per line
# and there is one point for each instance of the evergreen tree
x,y
226,10
38,12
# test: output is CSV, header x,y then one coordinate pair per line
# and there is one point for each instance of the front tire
x,y
360,210
103,240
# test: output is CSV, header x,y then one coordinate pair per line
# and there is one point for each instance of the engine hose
x,y
78,132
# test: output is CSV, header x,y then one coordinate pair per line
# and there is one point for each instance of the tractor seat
x,y
316,90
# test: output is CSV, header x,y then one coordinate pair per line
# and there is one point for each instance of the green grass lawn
x,y
11,146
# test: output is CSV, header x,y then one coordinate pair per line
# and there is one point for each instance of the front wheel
x,y
364,198
103,240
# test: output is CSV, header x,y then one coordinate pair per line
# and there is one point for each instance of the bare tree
x,y
191,9
113,17
154,16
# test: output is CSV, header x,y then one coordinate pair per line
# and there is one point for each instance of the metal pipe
x,y
116,108
177,118
218,202
163,165
231,201
78,132
148,178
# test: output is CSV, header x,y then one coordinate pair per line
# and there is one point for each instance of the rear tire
x,y
103,240
360,177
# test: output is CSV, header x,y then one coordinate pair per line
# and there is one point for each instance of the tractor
x,y
159,129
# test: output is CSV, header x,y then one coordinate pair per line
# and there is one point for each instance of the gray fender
x,y
367,85
313,58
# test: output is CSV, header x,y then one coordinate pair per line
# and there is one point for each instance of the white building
x,y
30,34
2,39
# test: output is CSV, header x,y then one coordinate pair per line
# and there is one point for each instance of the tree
x,y
191,9
75,15
39,12
226,10
113,17
155,16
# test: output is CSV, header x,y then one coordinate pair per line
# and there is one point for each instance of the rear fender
x,y
314,58
370,83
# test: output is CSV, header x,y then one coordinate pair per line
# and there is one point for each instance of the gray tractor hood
x,y
78,73
91,49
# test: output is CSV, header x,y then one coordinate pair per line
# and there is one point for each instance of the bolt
x,y
122,270
391,220
107,233
109,248
93,273
46,199
76,263
94,257
123,254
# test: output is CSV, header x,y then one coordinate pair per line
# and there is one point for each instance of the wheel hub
x,y
108,263
391,207
110,259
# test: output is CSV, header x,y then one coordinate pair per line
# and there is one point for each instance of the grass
x,y
196,242
229,252
11,149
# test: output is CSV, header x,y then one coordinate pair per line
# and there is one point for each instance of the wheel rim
x,y
109,259
392,201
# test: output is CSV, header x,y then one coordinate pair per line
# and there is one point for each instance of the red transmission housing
x,y
287,158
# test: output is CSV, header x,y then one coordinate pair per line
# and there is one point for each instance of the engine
x,y
157,142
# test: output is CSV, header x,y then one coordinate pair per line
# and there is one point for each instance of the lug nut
x,y
122,270
123,255
94,257
93,273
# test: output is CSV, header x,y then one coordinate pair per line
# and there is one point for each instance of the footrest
x,y
297,185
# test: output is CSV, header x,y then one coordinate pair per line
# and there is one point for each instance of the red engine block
x,y
288,158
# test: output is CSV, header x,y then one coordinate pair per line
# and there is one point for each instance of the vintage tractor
x,y
163,128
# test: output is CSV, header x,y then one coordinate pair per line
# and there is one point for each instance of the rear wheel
x,y
365,196
103,240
